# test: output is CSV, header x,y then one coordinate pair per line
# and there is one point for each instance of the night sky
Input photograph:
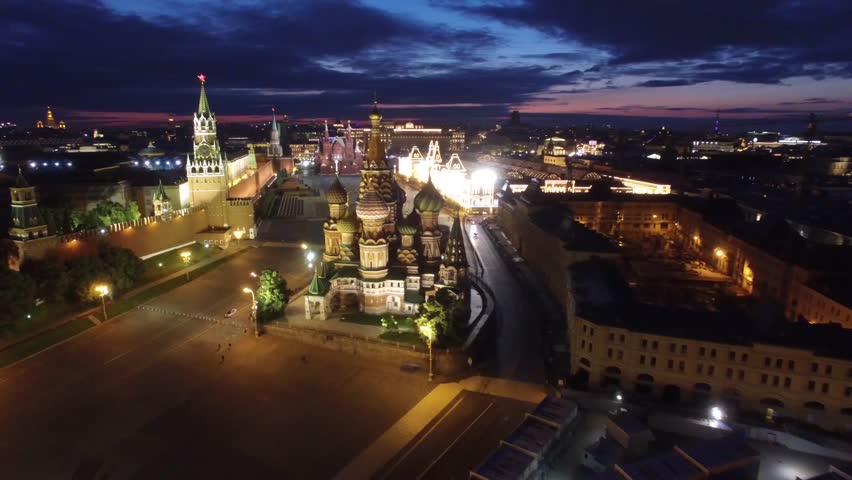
x,y
115,62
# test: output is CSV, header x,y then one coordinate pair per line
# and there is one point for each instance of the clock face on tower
x,y
203,151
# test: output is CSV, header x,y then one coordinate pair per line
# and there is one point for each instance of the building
x,y
27,220
274,149
405,136
554,153
770,366
376,260
340,154
210,177
50,122
469,190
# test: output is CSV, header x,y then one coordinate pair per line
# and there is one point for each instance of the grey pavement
x,y
148,396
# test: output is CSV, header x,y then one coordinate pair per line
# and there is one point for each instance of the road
x,y
458,440
148,395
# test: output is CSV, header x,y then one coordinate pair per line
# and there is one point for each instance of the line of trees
x,y
105,213
52,280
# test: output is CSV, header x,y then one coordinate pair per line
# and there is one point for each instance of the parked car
x,y
231,313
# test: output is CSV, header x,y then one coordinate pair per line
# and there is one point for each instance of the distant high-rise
x,y
515,119
716,124
50,121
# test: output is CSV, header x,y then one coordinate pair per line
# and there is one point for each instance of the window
x,y
731,356
644,343
775,380
828,369
683,352
702,351
699,368
824,388
791,365
779,363
609,353
763,378
767,361
681,365
744,357
653,361
611,337
582,344
787,382
671,348
654,345
713,353
590,347
741,375
848,392
585,328
670,364
814,368
729,373
811,385
641,359
710,370
621,338
592,331
621,354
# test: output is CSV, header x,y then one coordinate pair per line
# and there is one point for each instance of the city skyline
x,y
117,63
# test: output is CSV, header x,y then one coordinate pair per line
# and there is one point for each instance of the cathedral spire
x,y
274,123
203,106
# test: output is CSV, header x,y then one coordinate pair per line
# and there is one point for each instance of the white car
x,y
231,313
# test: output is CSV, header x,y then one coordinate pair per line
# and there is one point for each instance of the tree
x,y
17,295
49,276
272,295
122,265
443,314
84,273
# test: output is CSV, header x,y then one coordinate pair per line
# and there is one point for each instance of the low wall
x,y
446,362
144,237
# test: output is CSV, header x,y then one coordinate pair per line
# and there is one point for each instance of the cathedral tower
x,y
428,203
454,266
206,171
377,173
373,244
338,207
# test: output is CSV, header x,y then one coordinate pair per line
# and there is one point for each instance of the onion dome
x,y
429,199
336,194
406,227
371,206
347,225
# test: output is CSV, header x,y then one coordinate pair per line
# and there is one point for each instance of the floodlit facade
x,y
471,190
375,259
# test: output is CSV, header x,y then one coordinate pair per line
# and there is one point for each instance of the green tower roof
x,y
203,106
160,194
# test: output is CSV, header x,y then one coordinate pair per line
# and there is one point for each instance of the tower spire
x,y
274,123
203,106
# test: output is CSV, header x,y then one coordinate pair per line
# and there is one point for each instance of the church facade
x,y
339,154
377,260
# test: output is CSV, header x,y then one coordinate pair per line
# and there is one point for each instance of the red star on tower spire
x,y
202,77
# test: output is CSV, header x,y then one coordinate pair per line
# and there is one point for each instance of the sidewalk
x,y
127,295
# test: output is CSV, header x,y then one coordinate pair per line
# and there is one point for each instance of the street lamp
x,y
104,291
253,310
186,256
717,413
253,275
428,332
238,234
304,246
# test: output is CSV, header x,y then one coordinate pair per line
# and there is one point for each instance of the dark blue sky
x,y
134,61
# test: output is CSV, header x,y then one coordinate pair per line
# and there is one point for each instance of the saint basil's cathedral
x,y
376,259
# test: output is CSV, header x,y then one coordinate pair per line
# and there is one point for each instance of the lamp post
x,y
186,256
238,234
104,291
253,311
309,256
428,332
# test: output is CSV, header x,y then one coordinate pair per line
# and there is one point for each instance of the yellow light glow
x,y
247,290
102,289
427,331
719,252
239,234
695,237
185,255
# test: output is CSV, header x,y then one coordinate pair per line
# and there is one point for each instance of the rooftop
x,y
668,466
532,435
555,410
505,463
720,454
557,221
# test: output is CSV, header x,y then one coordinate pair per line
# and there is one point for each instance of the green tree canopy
x,y
272,295
443,314
17,295
49,276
